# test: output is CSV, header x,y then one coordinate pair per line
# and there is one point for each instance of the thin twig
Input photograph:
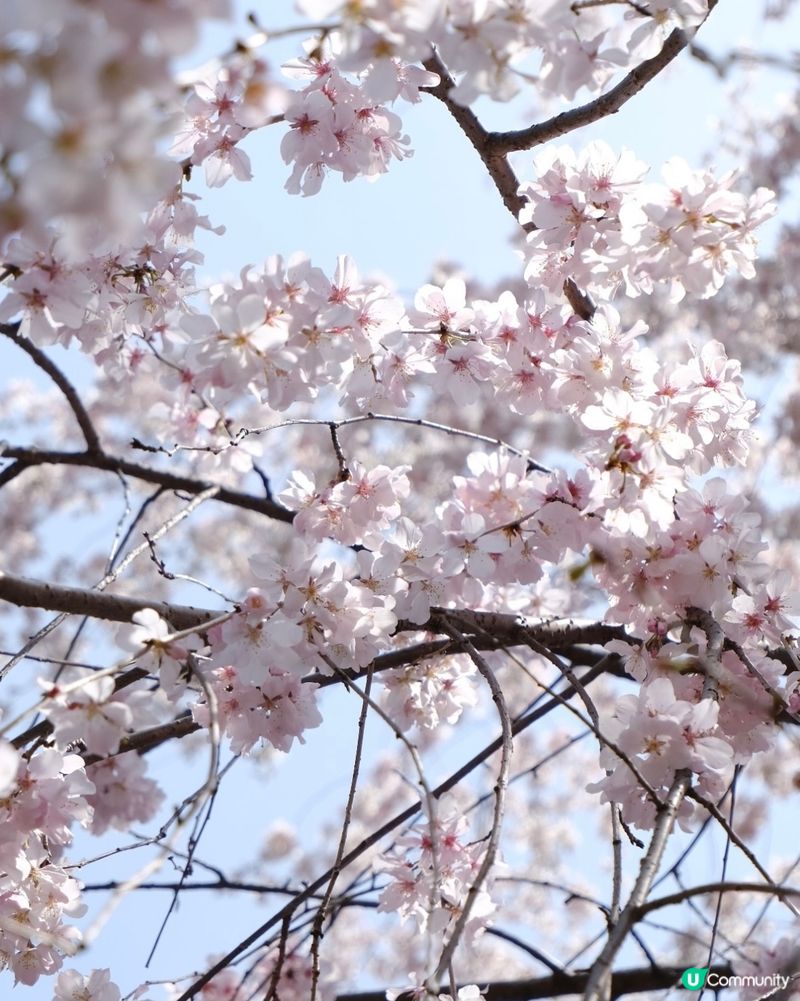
x,y
501,785
400,419
377,835
322,910
741,845
196,803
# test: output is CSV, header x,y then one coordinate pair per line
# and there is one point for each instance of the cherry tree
x,y
526,549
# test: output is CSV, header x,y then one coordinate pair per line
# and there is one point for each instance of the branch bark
x,y
607,104
29,457
28,593
504,627
505,180
11,330
646,978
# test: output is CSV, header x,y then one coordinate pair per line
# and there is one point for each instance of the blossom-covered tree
x,y
537,533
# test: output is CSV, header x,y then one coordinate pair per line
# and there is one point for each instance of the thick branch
x,y
503,626
498,167
28,593
646,978
607,104
506,628
170,481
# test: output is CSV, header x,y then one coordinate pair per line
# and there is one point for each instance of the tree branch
x,y
520,724
698,891
27,593
499,169
500,788
601,972
170,481
504,627
647,978
11,330
500,143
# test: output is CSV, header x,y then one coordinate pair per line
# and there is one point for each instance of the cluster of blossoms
x,y
597,223
429,693
304,616
278,708
354,510
85,88
286,332
341,126
661,735
344,126
93,711
483,42
709,557
645,429
93,714
38,808
84,135
41,800
430,874
220,112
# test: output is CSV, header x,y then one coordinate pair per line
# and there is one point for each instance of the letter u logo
x,y
694,978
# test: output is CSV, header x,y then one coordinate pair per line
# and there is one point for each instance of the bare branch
x,y
499,169
504,628
633,981
29,593
11,330
453,780
600,974
319,920
29,457
419,422
743,847
501,785
666,814
705,888
722,64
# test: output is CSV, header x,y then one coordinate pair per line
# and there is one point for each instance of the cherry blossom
x,y
97,986
557,502
688,232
